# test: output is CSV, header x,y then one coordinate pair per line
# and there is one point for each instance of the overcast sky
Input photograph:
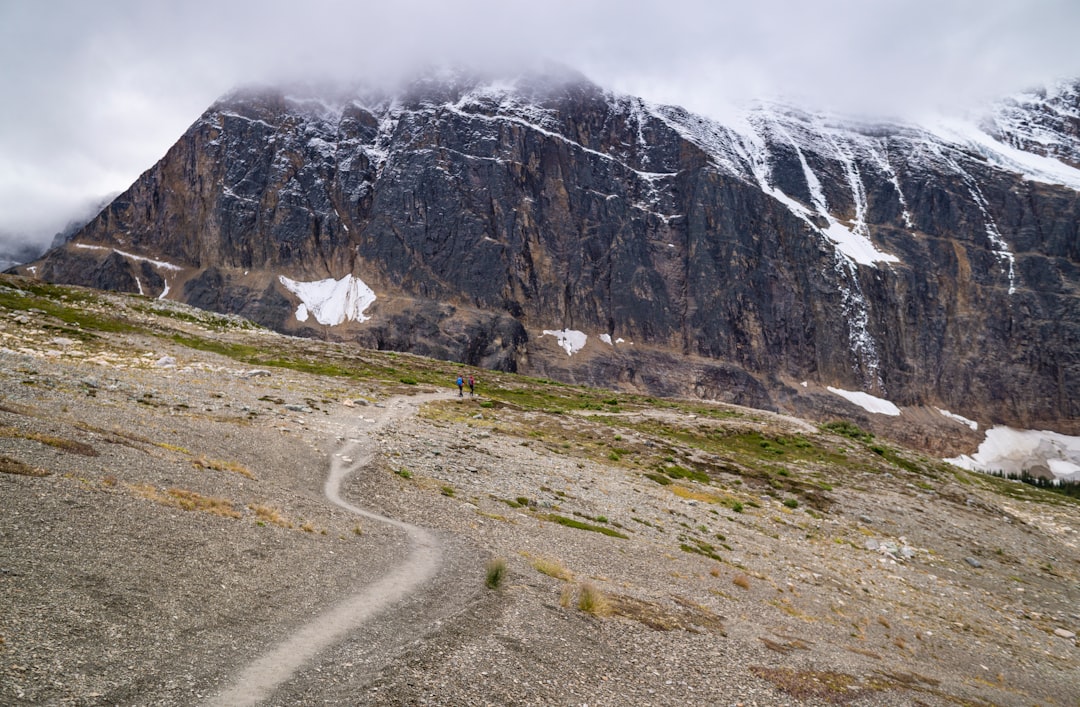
x,y
94,93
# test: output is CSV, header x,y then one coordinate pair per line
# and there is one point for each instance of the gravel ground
x,y
114,592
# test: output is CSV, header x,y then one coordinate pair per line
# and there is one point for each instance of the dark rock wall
x,y
491,216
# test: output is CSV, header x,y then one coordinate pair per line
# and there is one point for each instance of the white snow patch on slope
x,y
1012,451
331,301
959,418
870,403
570,340
1033,167
606,338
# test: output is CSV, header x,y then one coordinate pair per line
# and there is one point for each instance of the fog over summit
x,y
97,94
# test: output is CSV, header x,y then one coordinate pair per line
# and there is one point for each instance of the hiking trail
x,y
262,677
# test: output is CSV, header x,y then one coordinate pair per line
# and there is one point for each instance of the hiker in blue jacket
x,y
460,387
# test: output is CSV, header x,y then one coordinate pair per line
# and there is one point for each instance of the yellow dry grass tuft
x,y
14,466
694,495
552,568
187,500
269,514
67,445
173,448
219,465
592,601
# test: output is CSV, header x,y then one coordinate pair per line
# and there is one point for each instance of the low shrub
x,y
592,601
496,573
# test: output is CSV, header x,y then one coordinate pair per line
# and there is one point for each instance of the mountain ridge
x,y
886,259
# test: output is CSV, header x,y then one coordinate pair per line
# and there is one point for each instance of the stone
x,y
973,562
256,373
1064,633
165,362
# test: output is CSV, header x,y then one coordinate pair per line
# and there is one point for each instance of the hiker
x,y
472,386
460,383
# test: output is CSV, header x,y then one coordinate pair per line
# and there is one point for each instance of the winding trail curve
x,y
260,679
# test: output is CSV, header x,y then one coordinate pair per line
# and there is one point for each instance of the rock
x,y
866,519
1064,633
973,562
255,373
871,544
165,362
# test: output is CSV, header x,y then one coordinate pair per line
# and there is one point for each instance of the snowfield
x,y
870,403
1010,451
570,340
331,301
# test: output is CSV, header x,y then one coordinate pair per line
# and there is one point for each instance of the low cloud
x,y
95,93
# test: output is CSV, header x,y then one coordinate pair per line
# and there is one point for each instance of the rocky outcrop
x,y
935,267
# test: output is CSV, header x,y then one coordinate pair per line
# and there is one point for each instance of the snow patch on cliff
x,y
1011,451
1033,167
751,145
570,340
331,301
870,403
958,418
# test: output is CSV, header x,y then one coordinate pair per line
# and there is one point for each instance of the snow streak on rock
x,y
159,264
856,313
1000,248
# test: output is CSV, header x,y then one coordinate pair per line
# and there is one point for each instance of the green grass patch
x,y
571,523
848,429
680,472
700,547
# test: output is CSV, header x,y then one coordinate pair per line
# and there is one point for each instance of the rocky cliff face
x,y
936,266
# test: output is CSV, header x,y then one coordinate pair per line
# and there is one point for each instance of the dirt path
x,y
258,681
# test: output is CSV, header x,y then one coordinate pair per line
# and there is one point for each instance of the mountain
x,y
508,223
14,250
